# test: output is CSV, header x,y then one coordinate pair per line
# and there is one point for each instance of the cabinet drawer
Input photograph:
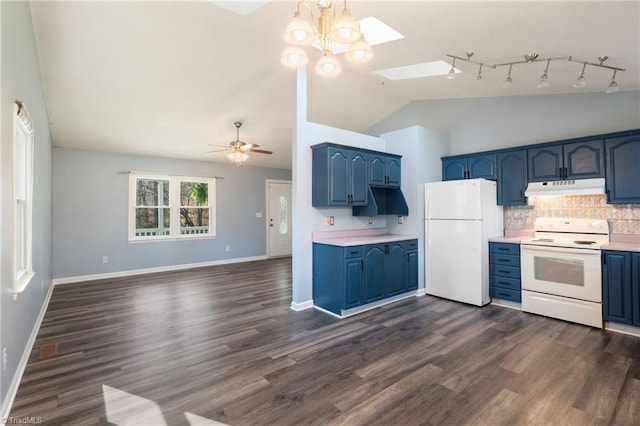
x,y
410,244
504,282
504,271
504,259
504,248
354,251
501,293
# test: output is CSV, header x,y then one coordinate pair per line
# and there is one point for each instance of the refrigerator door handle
x,y
426,229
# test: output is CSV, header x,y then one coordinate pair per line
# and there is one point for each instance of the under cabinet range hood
x,y
566,187
383,201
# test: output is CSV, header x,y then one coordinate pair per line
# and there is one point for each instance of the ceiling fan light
x,y
360,51
294,57
345,29
237,157
299,31
328,66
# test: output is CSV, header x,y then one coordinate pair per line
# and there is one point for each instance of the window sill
x,y
20,284
166,239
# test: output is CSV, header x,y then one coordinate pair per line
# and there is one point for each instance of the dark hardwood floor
x,y
221,344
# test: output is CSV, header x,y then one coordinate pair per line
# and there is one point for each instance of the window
x,y
23,197
166,207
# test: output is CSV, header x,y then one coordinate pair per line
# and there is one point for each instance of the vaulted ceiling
x,y
169,78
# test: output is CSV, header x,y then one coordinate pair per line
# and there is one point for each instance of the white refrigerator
x,y
460,216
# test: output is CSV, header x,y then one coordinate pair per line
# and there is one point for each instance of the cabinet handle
x,y
565,172
361,264
503,272
503,248
560,172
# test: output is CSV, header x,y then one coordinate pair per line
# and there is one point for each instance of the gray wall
x,y
479,124
21,80
90,213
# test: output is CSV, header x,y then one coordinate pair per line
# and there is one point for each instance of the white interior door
x,y
279,218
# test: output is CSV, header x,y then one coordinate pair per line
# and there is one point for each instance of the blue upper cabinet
x,y
512,178
584,160
580,160
340,176
470,167
545,163
384,170
623,169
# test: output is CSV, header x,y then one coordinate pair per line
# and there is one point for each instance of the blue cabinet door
x,y
616,286
545,163
482,166
394,259
411,271
339,185
377,169
584,160
353,286
358,178
393,172
454,168
374,274
512,178
623,170
635,288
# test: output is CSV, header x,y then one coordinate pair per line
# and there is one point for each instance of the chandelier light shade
x,y
328,65
508,82
613,86
238,157
294,56
325,31
544,79
581,81
359,52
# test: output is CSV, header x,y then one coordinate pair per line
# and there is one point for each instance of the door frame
x,y
266,214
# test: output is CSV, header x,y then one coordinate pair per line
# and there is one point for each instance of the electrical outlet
x,y
331,221
5,358
370,221
227,249
105,259
400,220
258,214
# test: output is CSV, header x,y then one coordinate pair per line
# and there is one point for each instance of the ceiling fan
x,y
238,148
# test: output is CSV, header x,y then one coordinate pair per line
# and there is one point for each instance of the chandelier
x,y
326,31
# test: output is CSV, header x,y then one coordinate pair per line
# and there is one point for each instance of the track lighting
x,y
544,79
452,72
613,86
581,81
508,82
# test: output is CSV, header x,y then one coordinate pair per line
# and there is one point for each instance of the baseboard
x,y
170,268
5,410
622,328
307,304
506,304
421,292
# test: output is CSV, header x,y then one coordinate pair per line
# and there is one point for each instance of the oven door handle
x,y
586,252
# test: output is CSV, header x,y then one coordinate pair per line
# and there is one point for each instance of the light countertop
x,y
358,238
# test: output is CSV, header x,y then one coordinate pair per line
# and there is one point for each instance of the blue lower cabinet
x,y
504,271
348,277
617,298
635,288
374,273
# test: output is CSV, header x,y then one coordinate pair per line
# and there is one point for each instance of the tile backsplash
x,y
623,218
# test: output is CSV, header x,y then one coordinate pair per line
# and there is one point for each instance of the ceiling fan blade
x,y
219,150
259,151
221,146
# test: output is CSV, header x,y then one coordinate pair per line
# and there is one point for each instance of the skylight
x,y
242,8
426,69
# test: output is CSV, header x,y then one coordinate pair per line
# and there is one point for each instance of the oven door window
x,y
558,270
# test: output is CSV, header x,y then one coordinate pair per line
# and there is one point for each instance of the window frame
x,y
22,193
174,207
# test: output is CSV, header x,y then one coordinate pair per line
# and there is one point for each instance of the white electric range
x,y
561,270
